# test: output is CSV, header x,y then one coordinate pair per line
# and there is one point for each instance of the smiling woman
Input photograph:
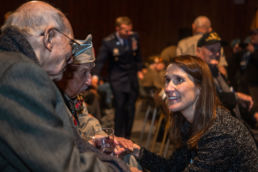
x,y
182,93
206,136
197,96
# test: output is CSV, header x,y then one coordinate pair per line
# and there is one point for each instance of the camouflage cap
x,y
84,52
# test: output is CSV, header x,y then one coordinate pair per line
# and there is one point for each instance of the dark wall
x,y
158,22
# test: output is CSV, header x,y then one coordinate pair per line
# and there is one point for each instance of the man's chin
x,y
57,77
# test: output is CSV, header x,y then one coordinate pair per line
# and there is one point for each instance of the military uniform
x,y
124,61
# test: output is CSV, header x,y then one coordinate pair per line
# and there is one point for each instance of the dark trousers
x,y
124,112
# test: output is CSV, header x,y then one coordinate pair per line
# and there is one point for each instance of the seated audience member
x,y
92,100
236,45
207,136
188,46
234,61
76,79
98,97
238,64
154,76
151,82
209,50
168,53
35,129
106,94
249,68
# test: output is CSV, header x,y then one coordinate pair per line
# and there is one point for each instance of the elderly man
x,y
209,50
200,26
35,128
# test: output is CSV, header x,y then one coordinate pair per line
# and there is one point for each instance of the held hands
x,y
121,145
124,145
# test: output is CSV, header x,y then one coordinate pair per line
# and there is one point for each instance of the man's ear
x,y
193,27
49,34
117,28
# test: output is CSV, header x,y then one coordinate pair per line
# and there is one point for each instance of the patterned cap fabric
x,y
208,39
84,53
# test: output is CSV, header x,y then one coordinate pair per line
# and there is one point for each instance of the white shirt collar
x,y
119,38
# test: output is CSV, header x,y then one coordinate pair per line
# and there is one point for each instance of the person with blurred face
x,y
210,53
209,50
205,135
249,64
188,46
121,50
124,30
36,134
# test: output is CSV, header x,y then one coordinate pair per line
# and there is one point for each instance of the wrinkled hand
x,y
245,98
134,169
124,145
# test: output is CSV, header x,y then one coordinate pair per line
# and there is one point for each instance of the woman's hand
x,y
123,145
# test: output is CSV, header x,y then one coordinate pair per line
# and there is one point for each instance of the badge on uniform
x,y
134,44
115,52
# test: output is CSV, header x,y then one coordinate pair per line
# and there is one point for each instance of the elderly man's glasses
x,y
77,48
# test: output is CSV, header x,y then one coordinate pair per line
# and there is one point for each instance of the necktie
x,y
125,42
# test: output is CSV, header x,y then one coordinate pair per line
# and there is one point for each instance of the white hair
x,y
32,19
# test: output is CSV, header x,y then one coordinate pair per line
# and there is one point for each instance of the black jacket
x,y
225,146
123,62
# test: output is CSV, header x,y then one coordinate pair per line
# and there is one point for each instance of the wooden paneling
x,y
157,22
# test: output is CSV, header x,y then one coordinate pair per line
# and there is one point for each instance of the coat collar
x,y
13,40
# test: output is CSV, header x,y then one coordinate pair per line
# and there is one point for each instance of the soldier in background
x,y
121,50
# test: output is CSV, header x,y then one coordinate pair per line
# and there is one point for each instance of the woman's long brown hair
x,y
205,111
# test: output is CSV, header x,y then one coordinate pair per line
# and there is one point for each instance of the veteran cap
x,y
84,51
208,39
